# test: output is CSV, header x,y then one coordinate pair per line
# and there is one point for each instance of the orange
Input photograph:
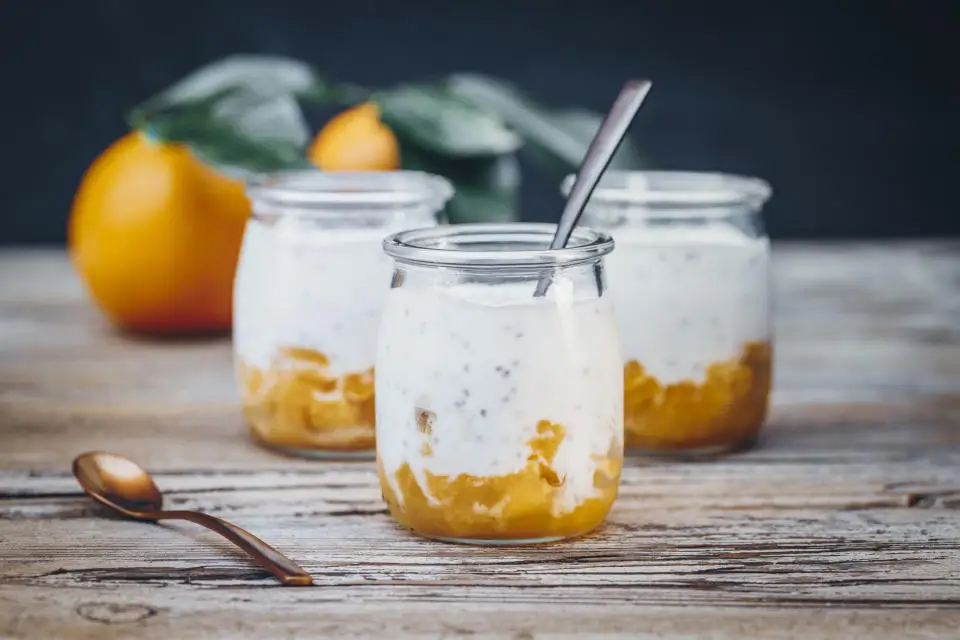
x,y
356,140
155,234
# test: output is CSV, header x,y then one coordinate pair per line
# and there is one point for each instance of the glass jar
x,y
499,414
309,288
690,283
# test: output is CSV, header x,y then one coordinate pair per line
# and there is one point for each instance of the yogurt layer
x,y
317,289
307,304
688,296
488,364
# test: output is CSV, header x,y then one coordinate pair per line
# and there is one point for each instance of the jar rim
x,y
496,245
309,188
677,190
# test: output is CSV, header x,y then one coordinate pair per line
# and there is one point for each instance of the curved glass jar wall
x,y
499,415
309,288
690,285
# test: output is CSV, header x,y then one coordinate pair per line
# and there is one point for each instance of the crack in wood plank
x,y
222,577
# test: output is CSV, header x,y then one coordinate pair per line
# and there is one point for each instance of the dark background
x,y
848,108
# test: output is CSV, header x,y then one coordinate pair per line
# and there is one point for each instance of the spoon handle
x,y
288,572
595,162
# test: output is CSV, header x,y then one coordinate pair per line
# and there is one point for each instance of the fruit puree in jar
x,y
307,307
692,304
499,415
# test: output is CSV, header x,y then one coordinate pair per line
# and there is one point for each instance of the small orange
x,y
155,235
356,140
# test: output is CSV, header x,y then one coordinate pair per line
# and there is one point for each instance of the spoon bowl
x,y
118,483
122,485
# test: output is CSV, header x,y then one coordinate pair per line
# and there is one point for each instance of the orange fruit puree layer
x,y
726,409
296,402
525,505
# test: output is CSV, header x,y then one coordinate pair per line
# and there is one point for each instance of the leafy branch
x,y
244,114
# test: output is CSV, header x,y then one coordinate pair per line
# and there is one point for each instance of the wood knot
x,y
111,613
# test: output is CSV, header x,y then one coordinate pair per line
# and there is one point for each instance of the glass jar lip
x,y
312,188
450,246
677,190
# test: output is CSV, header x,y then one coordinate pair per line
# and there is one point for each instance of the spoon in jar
x,y
595,162
123,486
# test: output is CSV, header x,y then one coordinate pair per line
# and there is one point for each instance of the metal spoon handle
x,y
286,570
595,162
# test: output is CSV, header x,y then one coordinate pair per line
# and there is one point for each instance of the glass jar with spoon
x,y
690,281
310,285
499,414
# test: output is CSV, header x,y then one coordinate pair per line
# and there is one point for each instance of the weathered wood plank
x,y
162,613
812,423
657,556
758,480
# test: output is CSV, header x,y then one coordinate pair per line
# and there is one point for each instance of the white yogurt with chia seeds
x,y
499,414
690,283
688,296
491,362
309,288
314,288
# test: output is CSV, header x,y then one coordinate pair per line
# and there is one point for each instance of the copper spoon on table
x,y
123,486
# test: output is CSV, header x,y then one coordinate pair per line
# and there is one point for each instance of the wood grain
x,y
844,522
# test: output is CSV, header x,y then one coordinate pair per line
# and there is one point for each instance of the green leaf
x,y
238,133
438,121
559,139
268,76
239,114
487,187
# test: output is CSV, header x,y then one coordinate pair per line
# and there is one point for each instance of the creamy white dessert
x,y
693,309
687,297
307,304
315,288
499,415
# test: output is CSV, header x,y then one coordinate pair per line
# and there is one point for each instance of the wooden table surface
x,y
844,522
